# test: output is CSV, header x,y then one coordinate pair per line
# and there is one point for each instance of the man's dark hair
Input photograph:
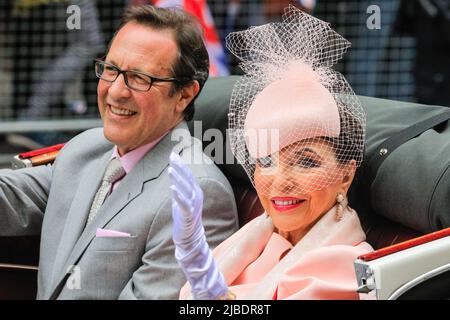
x,y
192,62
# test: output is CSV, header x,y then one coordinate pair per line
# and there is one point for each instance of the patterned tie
x,y
113,172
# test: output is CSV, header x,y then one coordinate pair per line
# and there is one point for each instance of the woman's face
x,y
300,183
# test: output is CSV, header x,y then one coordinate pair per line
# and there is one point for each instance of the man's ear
x,y
349,175
186,94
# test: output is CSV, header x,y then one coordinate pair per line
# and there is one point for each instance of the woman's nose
x,y
283,182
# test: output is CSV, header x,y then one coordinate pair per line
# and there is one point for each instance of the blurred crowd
x,y
50,71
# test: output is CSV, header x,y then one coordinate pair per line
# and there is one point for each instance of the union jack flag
x,y
200,10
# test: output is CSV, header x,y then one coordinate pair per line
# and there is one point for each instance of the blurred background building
x,y
48,86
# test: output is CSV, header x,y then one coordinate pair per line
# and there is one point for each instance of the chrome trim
x,y
364,277
17,266
17,163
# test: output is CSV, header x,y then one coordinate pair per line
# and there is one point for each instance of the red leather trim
x,y
405,245
37,152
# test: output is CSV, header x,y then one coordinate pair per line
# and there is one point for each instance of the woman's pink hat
x,y
298,103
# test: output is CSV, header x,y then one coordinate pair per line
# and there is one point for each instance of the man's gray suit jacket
x,y
54,201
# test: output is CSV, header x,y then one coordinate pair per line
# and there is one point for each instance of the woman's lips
x,y
286,203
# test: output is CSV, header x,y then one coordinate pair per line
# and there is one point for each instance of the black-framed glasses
x,y
135,80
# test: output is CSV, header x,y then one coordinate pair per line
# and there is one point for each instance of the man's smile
x,y
119,111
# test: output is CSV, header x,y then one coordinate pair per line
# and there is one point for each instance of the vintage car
x,y
400,193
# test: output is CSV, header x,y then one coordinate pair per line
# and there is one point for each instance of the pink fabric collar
x,y
131,158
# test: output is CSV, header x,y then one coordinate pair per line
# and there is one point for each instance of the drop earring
x,y
342,203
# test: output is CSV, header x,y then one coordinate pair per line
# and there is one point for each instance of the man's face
x,y
132,118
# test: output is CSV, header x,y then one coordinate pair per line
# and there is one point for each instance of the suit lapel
x,y
149,168
79,210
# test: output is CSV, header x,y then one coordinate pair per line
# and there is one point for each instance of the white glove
x,y
191,250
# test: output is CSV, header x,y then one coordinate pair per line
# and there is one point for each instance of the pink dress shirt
x,y
131,158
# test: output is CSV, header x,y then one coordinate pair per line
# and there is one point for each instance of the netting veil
x,y
294,122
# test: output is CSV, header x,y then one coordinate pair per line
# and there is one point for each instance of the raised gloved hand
x,y
187,205
191,249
